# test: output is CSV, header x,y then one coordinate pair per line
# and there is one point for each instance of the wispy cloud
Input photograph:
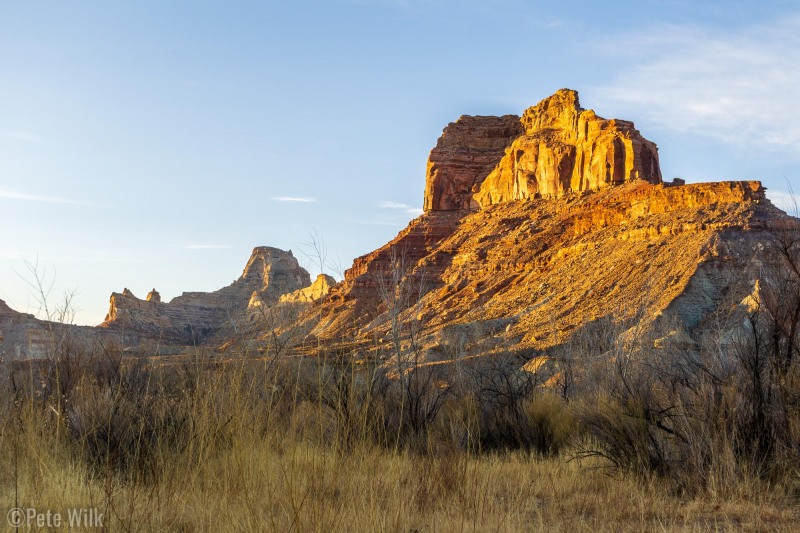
x,y
741,88
371,222
205,246
24,197
298,199
20,135
405,208
393,205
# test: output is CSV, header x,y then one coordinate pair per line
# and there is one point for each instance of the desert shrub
x,y
623,434
708,419
551,426
500,407
500,390
346,401
411,404
130,426
457,427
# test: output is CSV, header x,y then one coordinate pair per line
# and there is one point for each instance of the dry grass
x,y
245,448
254,487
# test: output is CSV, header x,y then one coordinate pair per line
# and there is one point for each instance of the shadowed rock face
x,y
273,272
195,316
466,152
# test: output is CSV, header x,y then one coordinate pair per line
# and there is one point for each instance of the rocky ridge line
x,y
194,317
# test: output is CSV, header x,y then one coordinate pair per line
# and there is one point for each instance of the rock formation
x,y
24,336
272,277
555,148
535,227
153,296
540,269
273,272
568,149
466,152
194,317
321,286
6,311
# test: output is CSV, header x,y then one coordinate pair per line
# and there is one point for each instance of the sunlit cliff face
x,y
555,148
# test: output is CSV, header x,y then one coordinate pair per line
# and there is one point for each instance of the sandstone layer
x,y
321,287
466,152
527,274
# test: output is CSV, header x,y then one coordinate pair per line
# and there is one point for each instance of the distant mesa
x,y
269,275
5,310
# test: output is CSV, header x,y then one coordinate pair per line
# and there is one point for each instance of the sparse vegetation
x,y
616,430
300,444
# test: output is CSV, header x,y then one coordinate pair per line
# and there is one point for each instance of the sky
x,y
153,144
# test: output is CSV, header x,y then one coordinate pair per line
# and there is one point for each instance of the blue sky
x,y
154,144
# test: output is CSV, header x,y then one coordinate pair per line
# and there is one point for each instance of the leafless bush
x,y
514,412
349,399
128,427
413,403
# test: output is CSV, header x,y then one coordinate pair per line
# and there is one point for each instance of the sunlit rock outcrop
x,y
466,152
555,148
321,286
568,149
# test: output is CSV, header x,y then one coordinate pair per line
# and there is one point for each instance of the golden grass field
x,y
217,454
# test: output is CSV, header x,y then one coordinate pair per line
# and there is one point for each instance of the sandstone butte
x,y
534,228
